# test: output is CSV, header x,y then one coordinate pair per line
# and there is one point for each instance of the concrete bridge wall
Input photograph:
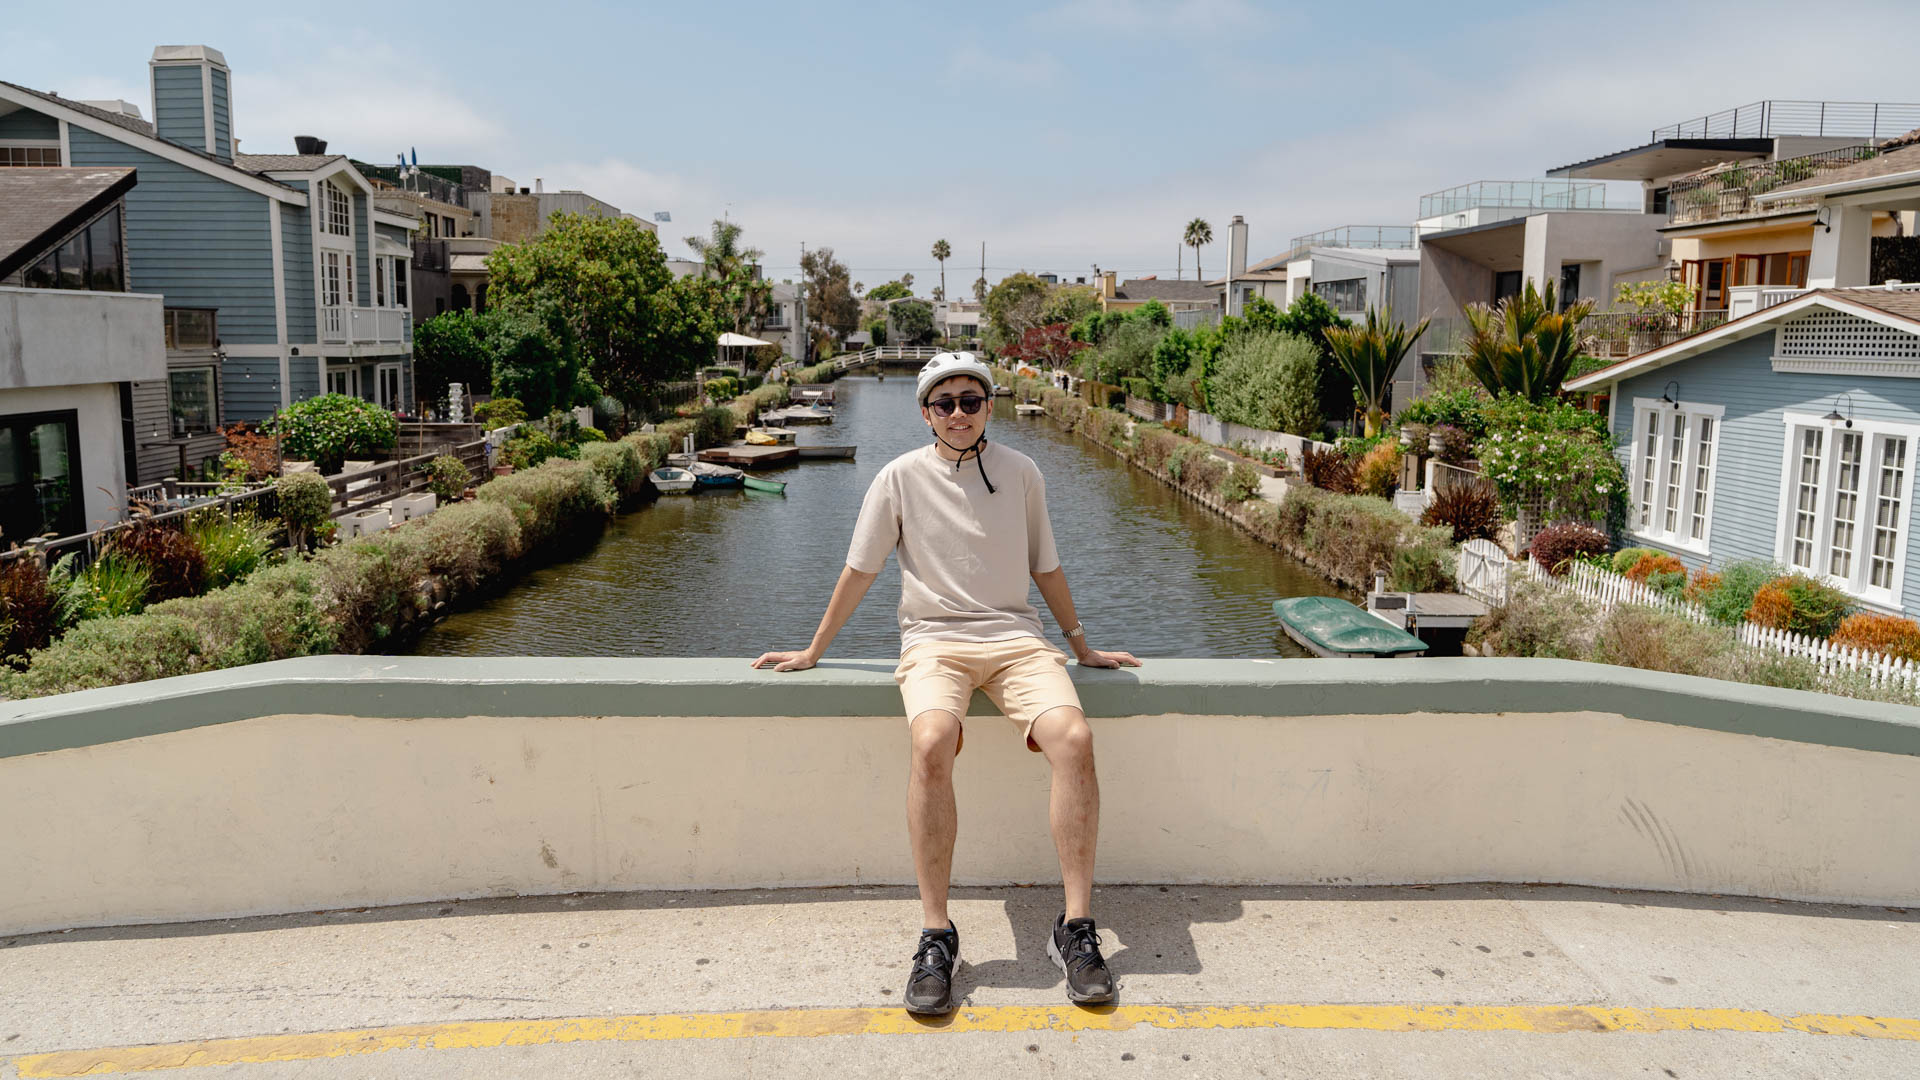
x,y
352,781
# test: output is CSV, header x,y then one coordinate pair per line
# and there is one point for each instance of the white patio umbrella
x,y
732,340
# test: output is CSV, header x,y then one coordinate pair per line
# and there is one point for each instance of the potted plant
x,y
1659,307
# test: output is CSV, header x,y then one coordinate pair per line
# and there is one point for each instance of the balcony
x,y
1726,192
1822,119
1392,237
1747,299
342,325
1495,200
1616,335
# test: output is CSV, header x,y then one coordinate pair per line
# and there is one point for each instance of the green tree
x,y
536,358
1260,313
942,251
451,347
1014,306
1270,380
979,290
1153,313
892,290
607,281
831,304
1311,317
1370,354
912,321
736,268
1069,304
1524,346
1198,233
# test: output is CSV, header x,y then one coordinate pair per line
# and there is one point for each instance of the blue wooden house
x,y
1787,434
281,278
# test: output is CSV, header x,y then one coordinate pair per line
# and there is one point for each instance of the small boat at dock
x,y
798,414
761,483
1028,408
1330,627
748,456
671,480
769,436
707,475
826,453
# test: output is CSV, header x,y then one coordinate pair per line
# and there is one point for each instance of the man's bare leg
x,y
932,821
1074,809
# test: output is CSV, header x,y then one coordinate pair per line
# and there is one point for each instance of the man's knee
x,y
1064,734
936,739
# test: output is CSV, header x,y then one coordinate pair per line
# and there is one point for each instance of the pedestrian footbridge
x,y
363,866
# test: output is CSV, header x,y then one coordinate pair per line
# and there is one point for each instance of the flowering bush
x,y
1651,563
332,427
1889,634
1557,455
1799,603
1378,471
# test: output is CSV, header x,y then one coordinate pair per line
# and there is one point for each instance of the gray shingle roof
x,y
1902,302
131,123
44,205
1198,292
266,163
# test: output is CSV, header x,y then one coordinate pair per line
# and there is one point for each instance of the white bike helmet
x,y
948,364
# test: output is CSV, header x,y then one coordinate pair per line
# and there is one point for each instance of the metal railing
x,y
1728,191
1766,119
885,352
1619,334
1355,236
1516,195
168,501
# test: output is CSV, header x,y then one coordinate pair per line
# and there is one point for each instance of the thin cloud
x,y
1140,18
1030,70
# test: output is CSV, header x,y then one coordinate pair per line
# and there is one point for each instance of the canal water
x,y
739,573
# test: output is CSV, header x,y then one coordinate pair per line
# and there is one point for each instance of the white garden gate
x,y
1483,571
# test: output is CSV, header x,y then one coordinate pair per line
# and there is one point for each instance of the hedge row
x,y
1349,538
352,597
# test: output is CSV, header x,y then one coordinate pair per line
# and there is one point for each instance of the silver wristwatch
x,y
1077,631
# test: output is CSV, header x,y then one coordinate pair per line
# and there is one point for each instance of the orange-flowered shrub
x,y
1650,565
1888,634
1701,585
1772,607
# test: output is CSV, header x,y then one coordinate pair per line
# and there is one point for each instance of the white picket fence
x,y
1609,590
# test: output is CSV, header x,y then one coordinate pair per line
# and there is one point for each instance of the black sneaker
x,y
1074,947
930,983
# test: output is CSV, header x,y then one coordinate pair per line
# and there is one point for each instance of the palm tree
x,y
1370,354
980,289
1525,346
736,268
1198,232
942,251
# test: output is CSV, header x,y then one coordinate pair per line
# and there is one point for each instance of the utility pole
x,y
800,310
1179,262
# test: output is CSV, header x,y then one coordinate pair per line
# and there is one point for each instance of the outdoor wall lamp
x,y
1672,399
1835,416
1823,217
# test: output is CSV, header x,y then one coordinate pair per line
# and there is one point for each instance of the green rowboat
x,y
761,483
1326,626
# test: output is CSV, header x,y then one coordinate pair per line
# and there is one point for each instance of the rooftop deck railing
x,y
1727,192
1516,195
1765,119
1401,237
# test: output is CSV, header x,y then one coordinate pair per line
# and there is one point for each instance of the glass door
x,y
386,381
40,484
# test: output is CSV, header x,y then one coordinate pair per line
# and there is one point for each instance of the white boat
x,y
671,480
1028,408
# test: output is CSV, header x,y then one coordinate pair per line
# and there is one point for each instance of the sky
x,y
1062,134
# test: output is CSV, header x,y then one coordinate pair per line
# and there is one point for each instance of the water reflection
x,y
734,574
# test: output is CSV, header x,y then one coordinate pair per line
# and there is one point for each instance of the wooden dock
x,y
1431,610
748,456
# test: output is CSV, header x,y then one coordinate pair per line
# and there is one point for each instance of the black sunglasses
x,y
968,403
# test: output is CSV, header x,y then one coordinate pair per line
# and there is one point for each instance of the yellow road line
x,y
808,1023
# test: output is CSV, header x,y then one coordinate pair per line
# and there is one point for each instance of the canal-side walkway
x,y
1446,981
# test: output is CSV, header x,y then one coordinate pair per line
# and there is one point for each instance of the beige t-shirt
x,y
965,555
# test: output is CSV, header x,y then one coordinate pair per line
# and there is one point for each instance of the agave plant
x,y
1370,353
1524,346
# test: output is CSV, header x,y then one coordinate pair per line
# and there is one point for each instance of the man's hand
x,y
792,661
1096,658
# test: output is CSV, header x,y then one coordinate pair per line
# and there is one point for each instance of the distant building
x,y
513,217
1135,292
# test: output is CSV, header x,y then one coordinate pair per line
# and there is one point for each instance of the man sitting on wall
x,y
967,546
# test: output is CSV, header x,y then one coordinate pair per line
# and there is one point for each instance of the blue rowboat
x,y
1330,627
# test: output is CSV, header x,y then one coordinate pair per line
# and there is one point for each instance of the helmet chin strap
x,y
974,450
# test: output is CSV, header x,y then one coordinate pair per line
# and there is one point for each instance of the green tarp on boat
x,y
1328,626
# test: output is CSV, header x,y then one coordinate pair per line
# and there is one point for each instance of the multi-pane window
x,y
339,210
1348,295
400,271
330,278
190,400
1674,451
29,156
1849,492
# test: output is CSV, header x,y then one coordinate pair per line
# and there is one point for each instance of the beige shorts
x,y
1022,676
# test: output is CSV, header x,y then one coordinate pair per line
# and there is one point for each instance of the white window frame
x,y
336,208
1874,437
54,145
380,386
1661,419
382,294
349,377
